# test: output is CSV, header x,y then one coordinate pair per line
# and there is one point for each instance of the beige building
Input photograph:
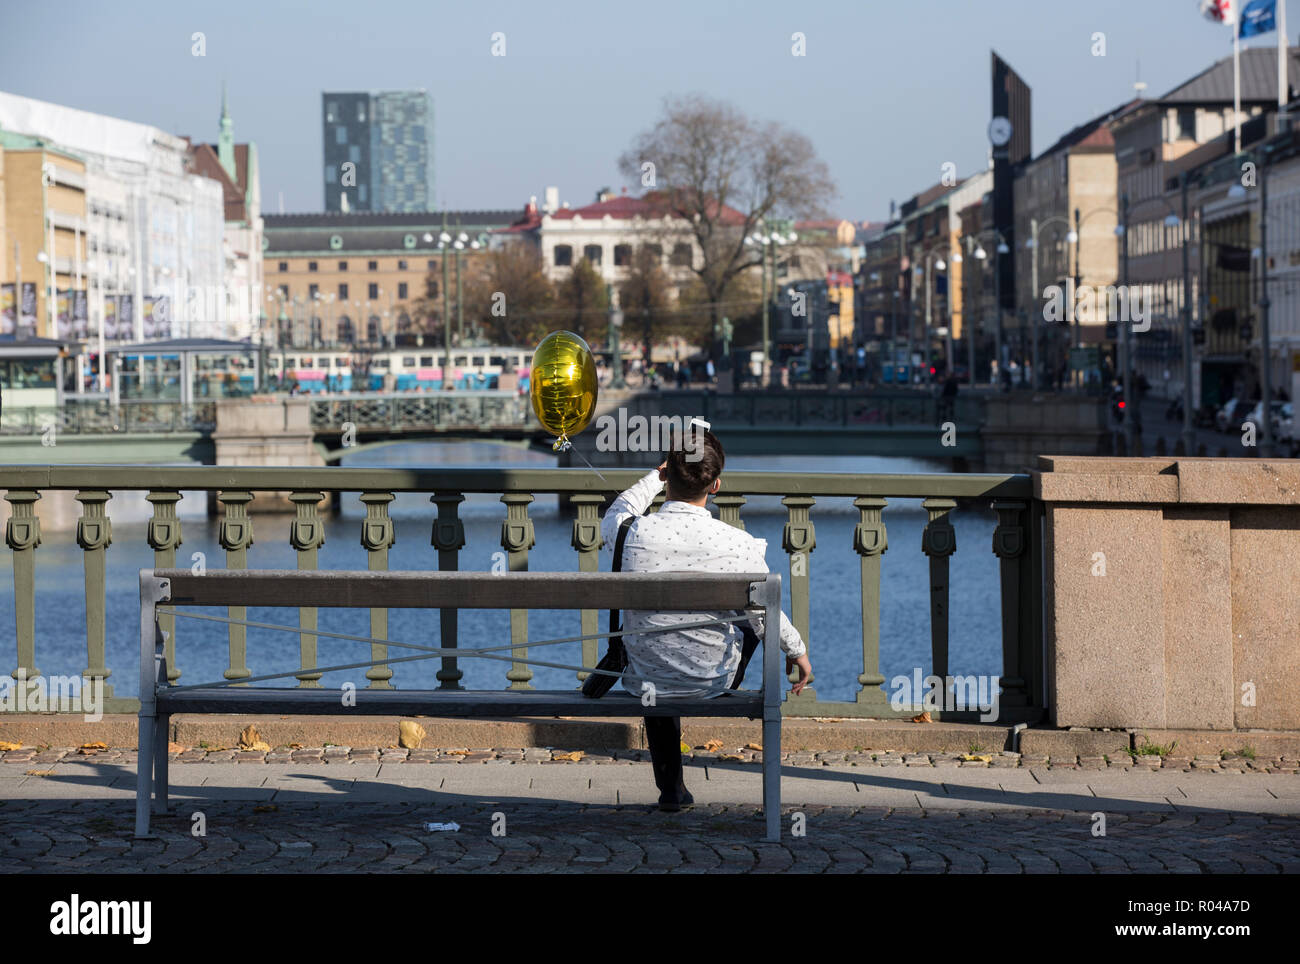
x,y
44,211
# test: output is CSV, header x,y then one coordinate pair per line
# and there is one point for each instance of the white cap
x,y
701,423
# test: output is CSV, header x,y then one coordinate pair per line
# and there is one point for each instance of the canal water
x,y
834,568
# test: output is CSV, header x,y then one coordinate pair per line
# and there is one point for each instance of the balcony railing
x,y
1015,547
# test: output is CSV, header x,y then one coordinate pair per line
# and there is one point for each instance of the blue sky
x,y
887,92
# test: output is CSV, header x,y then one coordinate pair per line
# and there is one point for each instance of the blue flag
x,y
1257,17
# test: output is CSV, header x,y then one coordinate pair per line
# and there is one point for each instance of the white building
x,y
155,228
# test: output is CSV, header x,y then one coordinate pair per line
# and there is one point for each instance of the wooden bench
x,y
664,592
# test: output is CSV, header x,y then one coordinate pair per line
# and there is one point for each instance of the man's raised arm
x,y
634,501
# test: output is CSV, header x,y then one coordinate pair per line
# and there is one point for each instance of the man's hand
x,y
805,672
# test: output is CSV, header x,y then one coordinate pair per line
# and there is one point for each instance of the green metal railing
x,y
101,417
1016,546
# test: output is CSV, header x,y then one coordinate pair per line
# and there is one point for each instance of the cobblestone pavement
x,y
39,836
749,754
341,809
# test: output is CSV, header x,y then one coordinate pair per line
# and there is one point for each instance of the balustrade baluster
x,y
306,535
22,536
587,541
939,541
448,539
729,509
377,537
517,537
1009,546
94,535
164,538
235,536
870,540
799,539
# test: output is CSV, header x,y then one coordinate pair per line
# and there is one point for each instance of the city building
x,y
1149,141
154,228
1065,217
238,308
378,151
355,278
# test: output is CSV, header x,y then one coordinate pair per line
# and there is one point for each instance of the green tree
x,y
583,302
511,299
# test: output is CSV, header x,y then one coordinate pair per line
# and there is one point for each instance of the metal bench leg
x,y
772,779
144,770
160,757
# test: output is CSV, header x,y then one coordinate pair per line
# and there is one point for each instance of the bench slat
x,y
663,592
248,699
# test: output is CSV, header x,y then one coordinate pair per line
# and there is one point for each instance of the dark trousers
x,y
664,733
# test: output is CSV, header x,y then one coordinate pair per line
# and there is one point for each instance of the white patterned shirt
x,y
681,537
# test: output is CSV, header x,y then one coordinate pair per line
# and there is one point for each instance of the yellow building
x,y
42,229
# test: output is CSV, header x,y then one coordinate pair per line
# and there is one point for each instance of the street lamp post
x,y
615,332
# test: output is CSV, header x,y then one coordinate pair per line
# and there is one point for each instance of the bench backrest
x,y
700,592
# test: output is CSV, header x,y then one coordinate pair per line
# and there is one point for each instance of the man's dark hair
x,y
694,464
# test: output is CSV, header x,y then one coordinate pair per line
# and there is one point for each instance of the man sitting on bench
x,y
684,536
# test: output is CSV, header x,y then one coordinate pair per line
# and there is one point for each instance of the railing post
x,y
164,538
22,536
517,537
235,536
1009,547
939,541
377,537
870,540
306,535
94,535
729,509
586,540
799,539
448,539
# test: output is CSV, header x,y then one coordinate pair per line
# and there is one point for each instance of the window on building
x,y
361,111
432,264
372,265
284,291
681,256
311,265
592,253
313,291
563,255
401,290
656,251
1186,123
431,288
343,291
622,255
343,266
340,135
401,266
361,193
331,111
372,291
284,265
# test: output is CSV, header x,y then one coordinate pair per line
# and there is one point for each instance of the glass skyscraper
x,y
387,138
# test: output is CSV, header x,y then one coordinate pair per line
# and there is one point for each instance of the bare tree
x,y
644,295
722,174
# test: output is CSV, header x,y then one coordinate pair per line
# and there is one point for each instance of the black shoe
x,y
674,802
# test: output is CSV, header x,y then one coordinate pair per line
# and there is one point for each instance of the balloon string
x,y
562,444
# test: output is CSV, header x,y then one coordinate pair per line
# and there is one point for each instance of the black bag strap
x,y
614,619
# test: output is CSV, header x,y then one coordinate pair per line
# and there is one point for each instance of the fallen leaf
x,y
40,773
6,745
713,746
923,718
295,746
176,748
753,746
686,748
458,753
972,757
250,739
410,734
575,756
98,745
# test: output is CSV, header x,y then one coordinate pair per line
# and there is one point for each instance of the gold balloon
x,y
562,384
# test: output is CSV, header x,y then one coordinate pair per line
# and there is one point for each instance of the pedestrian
x,y
684,536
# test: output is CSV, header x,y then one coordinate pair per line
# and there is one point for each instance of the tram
x,y
395,369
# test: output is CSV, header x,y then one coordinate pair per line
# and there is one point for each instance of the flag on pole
x,y
1257,17
1220,11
